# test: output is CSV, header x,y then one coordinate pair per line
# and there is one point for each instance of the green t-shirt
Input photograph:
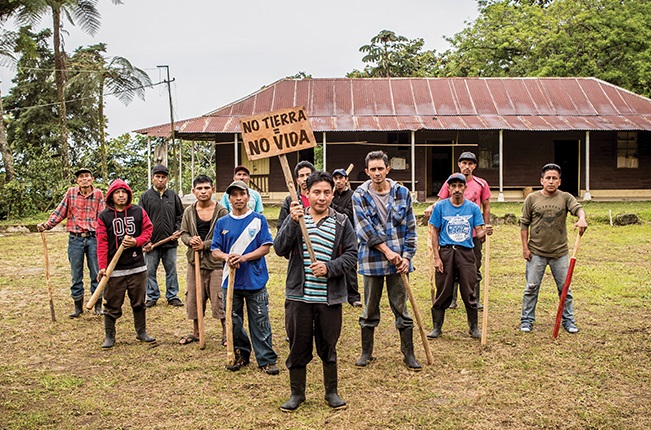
x,y
545,217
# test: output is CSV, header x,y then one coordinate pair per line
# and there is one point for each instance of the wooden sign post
x,y
278,133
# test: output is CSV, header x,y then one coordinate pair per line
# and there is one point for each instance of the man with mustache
x,y
478,192
454,220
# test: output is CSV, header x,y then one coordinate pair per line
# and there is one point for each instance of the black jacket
x,y
165,212
289,244
343,203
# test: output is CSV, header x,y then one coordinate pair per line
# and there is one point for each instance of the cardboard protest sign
x,y
277,132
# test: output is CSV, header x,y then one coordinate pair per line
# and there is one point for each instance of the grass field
x,y
56,376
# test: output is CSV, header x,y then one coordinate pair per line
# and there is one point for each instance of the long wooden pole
x,y
566,286
47,276
289,179
199,297
102,284
419,321
230,348
487,280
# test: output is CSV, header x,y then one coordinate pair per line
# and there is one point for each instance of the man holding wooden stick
x,y
81,205
314,291
164,207
197,230
386,228
122,222
454,220
242,239
544,243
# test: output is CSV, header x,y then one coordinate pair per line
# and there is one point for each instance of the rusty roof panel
x,y
284,95
507,95
423,103
442,97
540,103
343,104
343,101
464,101
403,98
482,98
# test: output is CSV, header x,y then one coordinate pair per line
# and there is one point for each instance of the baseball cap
x,y
240,167
468,156
341,172
160,168
237,184
82,170
456,177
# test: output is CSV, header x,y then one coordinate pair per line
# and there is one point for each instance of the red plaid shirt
x,y
80,210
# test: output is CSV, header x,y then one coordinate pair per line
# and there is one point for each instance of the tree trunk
x,y
102,134
60,78
7,159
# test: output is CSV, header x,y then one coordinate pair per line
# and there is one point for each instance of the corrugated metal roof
x,y
404,104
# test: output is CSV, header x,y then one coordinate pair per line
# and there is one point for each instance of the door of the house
x,y
566,155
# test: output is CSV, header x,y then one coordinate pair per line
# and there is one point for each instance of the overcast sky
x,y
219,52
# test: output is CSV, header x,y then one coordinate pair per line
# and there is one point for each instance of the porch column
x,y
235,151
192,161
413,161
325,168
587,195
180,167
148,162
500,196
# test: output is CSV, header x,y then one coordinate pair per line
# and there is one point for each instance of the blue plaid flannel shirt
x,y
399,234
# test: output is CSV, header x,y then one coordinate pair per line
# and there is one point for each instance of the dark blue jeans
x,y
78,247
257,310
168,255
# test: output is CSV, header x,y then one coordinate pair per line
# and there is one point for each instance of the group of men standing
x,y
370,231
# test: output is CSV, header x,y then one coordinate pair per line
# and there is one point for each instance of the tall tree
x,y
7,43
392,55
117,75
607,39
32,130
82,12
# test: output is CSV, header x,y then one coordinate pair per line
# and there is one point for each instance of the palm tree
x,y
82,12
7,40
118,76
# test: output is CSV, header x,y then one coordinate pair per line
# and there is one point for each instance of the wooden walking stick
x,y
102,283
47,276
230,348
199,297
160,242
419,321
487,279
566,286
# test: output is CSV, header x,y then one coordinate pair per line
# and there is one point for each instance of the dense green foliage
x,y
606,39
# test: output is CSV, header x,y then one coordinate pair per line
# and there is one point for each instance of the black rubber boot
x,y
407,348
140,323
330,383
472,323
98,307
455,294
109,329
297,384
438,315
79,308
367,347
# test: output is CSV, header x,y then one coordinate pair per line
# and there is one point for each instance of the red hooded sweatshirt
x,y
113,225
